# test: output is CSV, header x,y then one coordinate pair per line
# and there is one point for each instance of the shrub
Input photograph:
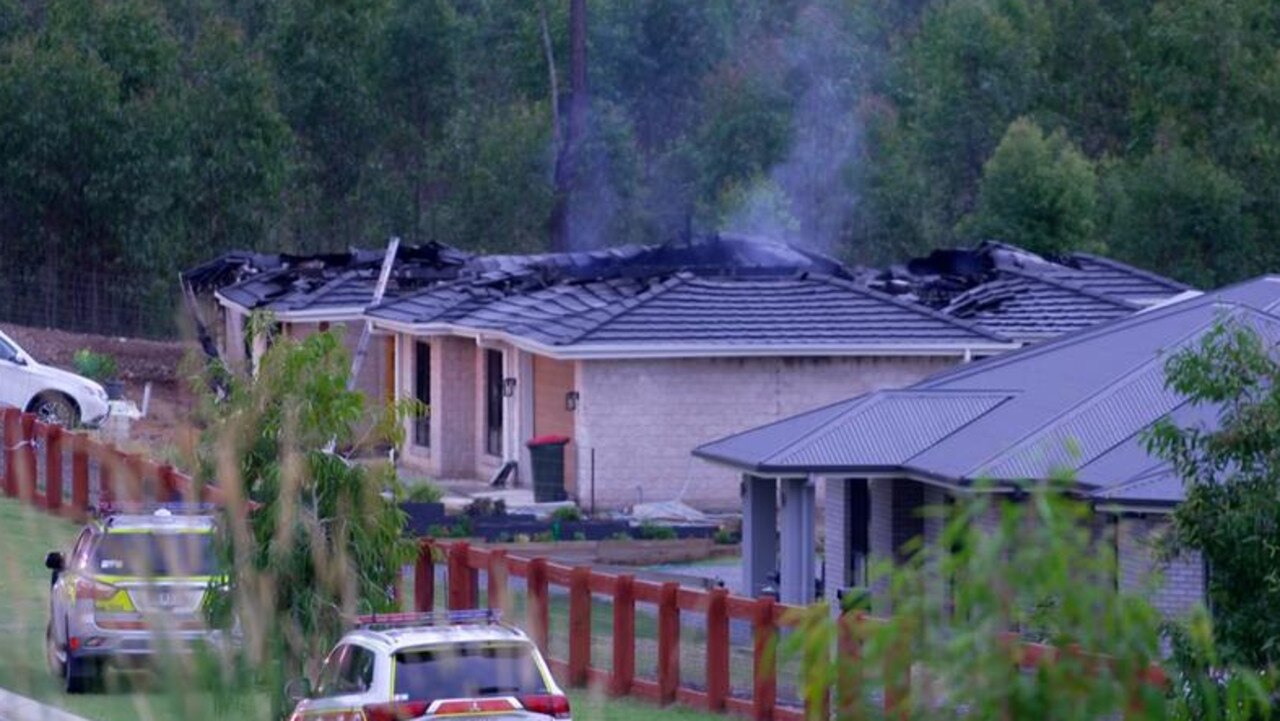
x,y
650,531
95,366
567,513
486,508
725,537
425,493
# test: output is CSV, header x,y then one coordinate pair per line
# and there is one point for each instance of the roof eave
x,y
634,351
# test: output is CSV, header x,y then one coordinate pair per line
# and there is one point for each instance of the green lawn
x,y
25,537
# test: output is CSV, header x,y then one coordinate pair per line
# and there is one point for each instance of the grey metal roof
x,y
824,438
1080,402
687,309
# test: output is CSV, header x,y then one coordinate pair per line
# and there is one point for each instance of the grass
x,y
26,535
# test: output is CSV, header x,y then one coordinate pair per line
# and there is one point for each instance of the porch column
x,y
759,532
797,541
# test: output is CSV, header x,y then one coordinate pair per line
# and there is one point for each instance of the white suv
x,y
431,665
55,395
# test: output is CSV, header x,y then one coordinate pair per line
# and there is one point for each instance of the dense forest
x,y
140,136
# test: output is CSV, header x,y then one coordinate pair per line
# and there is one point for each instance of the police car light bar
x,y
375,621
119,508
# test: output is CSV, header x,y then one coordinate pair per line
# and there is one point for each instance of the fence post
x,y
168,489
537,609
12,437
668,643
764,671
27,459
579,625
79,473
53,469
624,636
848,666
498,597
717,649
459,576
424,577
897,680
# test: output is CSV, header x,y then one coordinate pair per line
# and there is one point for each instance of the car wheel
x,y
79,675
55,408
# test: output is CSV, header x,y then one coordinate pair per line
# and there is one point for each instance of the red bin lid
x,y
547,441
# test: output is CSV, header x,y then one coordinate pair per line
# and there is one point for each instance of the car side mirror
x,y
297,689
55,562
19,360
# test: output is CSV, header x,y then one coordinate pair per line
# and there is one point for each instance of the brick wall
x,y
1179,584
644,417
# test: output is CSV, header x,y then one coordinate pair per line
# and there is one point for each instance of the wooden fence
x,y
68,473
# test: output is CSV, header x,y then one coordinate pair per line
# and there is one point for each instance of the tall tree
x,y
560,224
1038,192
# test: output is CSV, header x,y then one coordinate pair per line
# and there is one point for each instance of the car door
x,y
17,383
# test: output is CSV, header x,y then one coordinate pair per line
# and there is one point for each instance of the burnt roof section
x,y
1025,296
1080,403
283,282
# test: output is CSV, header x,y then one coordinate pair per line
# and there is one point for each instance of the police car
x,y
431,665
133,586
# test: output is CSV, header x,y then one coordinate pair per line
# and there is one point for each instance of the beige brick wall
x,y
644,417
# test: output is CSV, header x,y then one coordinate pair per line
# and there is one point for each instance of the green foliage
x,y
309,537
1032,566
567,513
425,492
650,531
726,537
1178,213
96,366
1038,192
142,136
1231,474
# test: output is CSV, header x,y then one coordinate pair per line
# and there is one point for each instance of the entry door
x,y
493,397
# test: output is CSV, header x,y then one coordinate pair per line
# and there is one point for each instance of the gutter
x,y
671,351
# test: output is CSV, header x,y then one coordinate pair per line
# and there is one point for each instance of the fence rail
x,y
67,473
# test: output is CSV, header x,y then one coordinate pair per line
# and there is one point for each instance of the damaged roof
x,y
713,292
1079,403
1024,296
716,296
285,283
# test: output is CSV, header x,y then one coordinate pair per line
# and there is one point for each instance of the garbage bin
x,y
546,453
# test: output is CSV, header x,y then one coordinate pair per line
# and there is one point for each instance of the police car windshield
x,y
149,553
467,671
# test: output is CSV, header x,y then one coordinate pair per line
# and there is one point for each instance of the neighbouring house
x,y
1080,403
639,354
306,294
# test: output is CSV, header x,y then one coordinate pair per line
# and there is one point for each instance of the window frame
x,y
421,377
494,416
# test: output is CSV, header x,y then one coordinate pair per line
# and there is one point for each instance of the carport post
x,y
797,541
759,532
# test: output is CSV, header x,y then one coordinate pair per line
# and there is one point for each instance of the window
x,y
155,554
422,392
467,671
7,351
349,669
493,402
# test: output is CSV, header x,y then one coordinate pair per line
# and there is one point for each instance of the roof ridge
x,y
1088,401
1133,269
918,308
631,304
1050,280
